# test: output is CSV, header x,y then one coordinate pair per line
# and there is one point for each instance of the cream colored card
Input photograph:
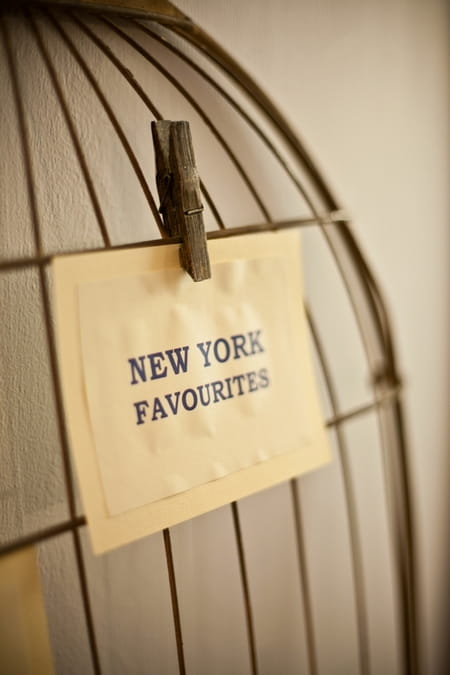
x,y
24,644
183,396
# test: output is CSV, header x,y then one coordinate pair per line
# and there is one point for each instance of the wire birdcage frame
x,y
163,27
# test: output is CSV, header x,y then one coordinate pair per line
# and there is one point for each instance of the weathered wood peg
x,y
178,186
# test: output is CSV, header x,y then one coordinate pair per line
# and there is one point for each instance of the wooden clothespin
x,y
178,186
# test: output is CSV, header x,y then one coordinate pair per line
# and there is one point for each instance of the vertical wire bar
x,y
71,128
199,110
174,598
111,115
212,206
67,470
245,589
350,501
408,554
391,425
139,91
303,569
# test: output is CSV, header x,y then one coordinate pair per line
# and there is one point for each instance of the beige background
x,y
366,86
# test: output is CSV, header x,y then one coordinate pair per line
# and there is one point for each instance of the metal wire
x,y
174,599
350,503
245,589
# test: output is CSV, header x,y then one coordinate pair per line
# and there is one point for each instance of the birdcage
x,y
83,81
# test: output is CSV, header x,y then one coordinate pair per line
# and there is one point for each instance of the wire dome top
x,y
83,81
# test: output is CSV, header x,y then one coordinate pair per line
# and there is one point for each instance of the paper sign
x,y
24,645
183,396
